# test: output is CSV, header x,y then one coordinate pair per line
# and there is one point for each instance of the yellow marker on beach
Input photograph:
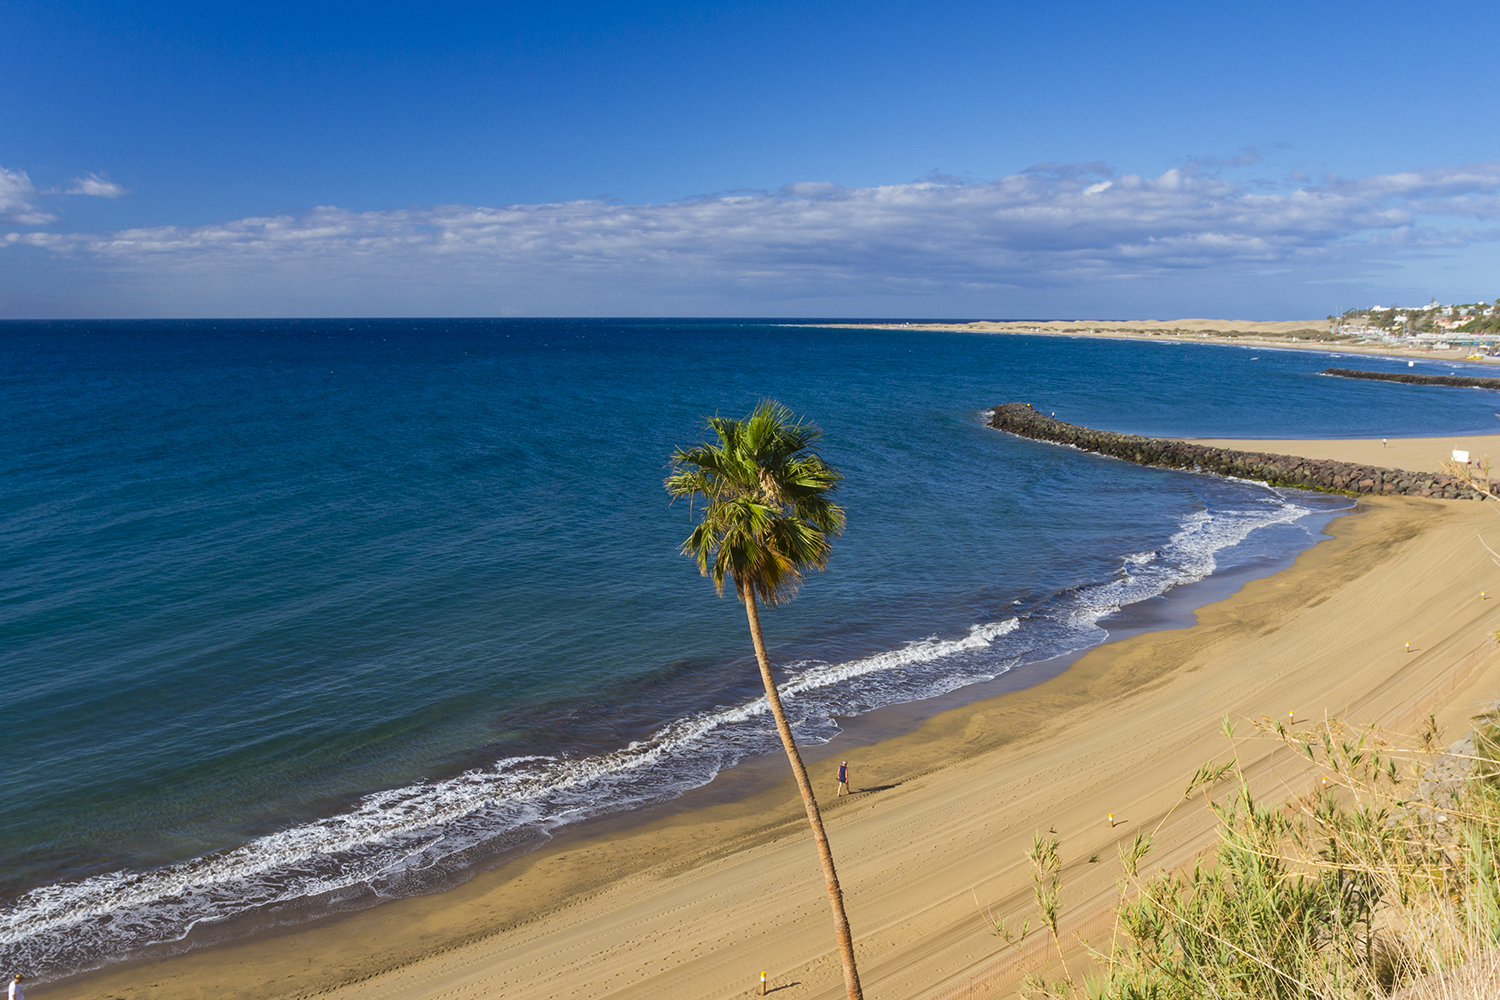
x,y
1111,821
1408,647
762,984
1291,716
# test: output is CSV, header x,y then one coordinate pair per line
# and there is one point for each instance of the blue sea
x,y
301,615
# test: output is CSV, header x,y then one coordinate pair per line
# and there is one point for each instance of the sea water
x,y
305,614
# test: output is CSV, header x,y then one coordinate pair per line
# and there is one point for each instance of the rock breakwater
x,y
1277,470
1411,378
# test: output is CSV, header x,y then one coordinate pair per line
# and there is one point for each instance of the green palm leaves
x,y
767,513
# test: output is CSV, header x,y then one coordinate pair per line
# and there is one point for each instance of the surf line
x,y
1325,476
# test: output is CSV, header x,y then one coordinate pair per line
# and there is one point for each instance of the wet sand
x,y
698,902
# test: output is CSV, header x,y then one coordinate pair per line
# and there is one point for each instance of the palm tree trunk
x,y
814,817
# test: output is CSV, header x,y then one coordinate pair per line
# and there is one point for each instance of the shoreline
x,y
695,902
1270,335
1418,454
1175,609
1323,474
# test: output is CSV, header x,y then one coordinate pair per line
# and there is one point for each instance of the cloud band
x,y
1052,226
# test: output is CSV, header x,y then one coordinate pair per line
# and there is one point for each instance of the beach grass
x,y
1383,879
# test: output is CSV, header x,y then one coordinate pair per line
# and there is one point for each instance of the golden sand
x,y
1279,334
1411,454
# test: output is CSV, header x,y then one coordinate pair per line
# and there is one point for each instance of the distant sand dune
x,y
1312,334
1277,328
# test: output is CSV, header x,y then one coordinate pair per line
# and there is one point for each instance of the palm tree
x,y
767,518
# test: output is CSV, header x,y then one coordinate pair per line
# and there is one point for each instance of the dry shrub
x,y
1476,979
1384,881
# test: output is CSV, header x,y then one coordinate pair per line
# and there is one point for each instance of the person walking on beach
x,y
16,992
843,780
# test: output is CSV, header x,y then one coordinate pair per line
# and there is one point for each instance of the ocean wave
x,y
390,836
1188,556
394,842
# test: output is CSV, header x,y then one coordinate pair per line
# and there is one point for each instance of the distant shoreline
x,y
1306,335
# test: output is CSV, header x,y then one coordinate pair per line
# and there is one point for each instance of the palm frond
x,y
763,498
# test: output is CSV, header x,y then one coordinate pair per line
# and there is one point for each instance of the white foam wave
x,y
1190,555
923,651
393,833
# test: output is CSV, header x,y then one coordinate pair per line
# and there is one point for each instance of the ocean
x,y
301,615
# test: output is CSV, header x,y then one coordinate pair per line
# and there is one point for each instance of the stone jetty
x,y
1277,470
1411,378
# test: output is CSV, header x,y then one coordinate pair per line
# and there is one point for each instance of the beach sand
x,y
698,902
1284,334
1269,328
1411,454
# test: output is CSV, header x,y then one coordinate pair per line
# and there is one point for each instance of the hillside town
x,y
1466,324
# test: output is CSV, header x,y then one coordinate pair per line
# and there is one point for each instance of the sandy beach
x,y
1411,454
698,902
1307,335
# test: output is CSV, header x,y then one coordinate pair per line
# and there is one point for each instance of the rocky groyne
x,y
1411,378
1277,470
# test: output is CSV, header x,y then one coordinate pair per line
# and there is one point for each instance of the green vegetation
x,y
767,516
1386,878
1482,323
1305,333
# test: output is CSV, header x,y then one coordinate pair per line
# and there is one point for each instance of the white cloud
x,y
93,184
1056,226
16,200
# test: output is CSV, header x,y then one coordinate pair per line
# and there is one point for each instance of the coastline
x,y
1324,474
697,901
1418,454
1271,335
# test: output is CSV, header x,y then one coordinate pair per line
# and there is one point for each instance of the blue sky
x,y
872,159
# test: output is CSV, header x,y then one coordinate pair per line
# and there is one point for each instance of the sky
x,y
873,159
